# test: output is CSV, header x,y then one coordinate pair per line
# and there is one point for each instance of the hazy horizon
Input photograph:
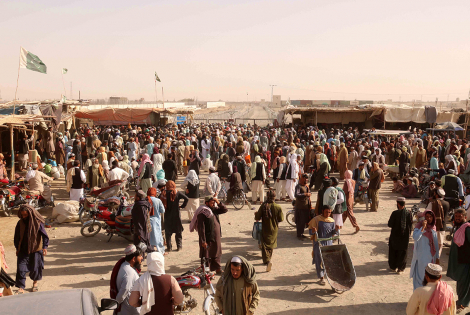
x,y
211,50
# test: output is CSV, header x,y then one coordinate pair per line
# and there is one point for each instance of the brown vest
x,y
163,296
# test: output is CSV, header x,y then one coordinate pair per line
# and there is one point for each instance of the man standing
x,y
207,223
141,219
75,180
123,276
302,206
375,185
270,215
237,291
434,297
440,207
212,185
117,173
31,242
401,224
459,259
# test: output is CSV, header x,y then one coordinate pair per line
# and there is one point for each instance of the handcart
x,y
109,191
339,269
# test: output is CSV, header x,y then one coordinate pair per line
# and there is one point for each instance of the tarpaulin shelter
x,y
124,116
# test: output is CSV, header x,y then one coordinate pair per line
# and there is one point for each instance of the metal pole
x,y
12,145
17,80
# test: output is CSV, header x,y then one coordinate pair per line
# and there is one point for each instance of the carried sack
x,y
256,233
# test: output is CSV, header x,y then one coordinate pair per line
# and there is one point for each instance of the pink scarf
x,y
349,182
441,299
459,237
145,159
2,253
428,231
202,209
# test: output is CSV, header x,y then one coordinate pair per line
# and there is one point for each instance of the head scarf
x,y
249,275
429,228
349,181
145,159
35,220
169,192
155,267
324,159
441,299
192,178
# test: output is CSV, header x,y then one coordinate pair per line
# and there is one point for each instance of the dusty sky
x,y
211,50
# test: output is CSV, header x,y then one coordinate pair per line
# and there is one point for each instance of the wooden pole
x,y
163,98
12,146
316,118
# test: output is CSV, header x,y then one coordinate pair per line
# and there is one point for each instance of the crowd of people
x,y
278,165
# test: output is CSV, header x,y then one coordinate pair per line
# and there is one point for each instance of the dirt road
x,y
290,288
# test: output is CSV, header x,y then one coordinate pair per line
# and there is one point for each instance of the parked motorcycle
x,y
113,224
10,197
198,278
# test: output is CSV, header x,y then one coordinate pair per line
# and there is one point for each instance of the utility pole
x,y
272,88
71,97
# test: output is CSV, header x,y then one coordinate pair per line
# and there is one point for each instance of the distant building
x,y
118,100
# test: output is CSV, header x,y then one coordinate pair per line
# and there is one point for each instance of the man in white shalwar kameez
x,y
75,180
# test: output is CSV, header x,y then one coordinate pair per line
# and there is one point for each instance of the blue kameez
x,y
325,229
422,256
156,237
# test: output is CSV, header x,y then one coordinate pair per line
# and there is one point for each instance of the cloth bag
x,y
256,233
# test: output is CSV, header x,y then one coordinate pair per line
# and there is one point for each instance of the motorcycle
x,y
362,195
38,201
198,278
113,224
11,197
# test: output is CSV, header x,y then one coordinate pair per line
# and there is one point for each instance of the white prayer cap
x,y
236,259
130,249
434,270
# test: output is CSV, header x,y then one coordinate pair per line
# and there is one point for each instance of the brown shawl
x,y
35,220
170,186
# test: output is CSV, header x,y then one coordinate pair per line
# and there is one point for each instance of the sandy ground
x,y
78,262
292,286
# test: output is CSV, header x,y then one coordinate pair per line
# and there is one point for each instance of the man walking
x,y
237,291
270,215
31,242
302,206
124,274
75,180
401,224
434,297
375,185
207,223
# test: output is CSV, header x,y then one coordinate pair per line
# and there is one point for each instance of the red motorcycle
x,y
113,224
11,197
198,278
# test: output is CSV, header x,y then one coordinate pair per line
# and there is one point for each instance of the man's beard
x,y
138,265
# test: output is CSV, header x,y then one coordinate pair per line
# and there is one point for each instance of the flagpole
x,y
163,99
17,80
156,99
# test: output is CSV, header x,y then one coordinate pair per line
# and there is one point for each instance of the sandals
x,y
322,282
35,289
19,292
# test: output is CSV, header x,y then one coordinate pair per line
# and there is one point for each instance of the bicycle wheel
x,y
238,200
90,229
222,196
290,218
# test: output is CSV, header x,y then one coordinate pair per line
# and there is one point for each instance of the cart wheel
x,y
338,291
